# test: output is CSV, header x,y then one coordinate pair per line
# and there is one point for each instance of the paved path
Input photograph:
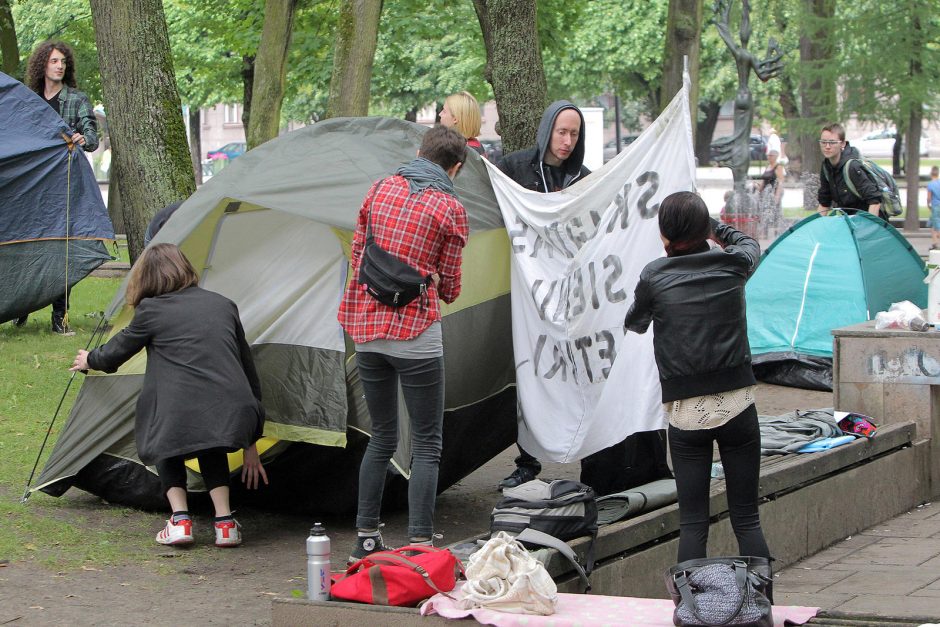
x,y
890,571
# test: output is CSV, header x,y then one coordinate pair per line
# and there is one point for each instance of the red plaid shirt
x,y
427,231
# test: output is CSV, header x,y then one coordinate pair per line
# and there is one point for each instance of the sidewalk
x,y
888,574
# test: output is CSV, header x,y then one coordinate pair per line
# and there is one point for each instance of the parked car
x,y
757,148
610,148
228,151
492,149
880,144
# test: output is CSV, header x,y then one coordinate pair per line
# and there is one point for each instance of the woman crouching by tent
x,y
201,397
695,299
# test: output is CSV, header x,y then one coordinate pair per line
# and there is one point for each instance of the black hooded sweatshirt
x,y
527,167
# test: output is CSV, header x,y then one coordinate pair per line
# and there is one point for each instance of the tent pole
x,y
99,330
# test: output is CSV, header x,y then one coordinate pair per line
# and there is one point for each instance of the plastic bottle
x,y
718,471
318,564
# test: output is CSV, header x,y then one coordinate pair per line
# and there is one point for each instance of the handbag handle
x,y
393,559
740,580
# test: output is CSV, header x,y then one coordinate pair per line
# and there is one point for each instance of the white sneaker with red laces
x,y
176,534
228,533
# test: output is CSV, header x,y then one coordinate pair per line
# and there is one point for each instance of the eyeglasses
x,y
829,142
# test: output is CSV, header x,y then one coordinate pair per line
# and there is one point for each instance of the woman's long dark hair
x,y
36,66
684,221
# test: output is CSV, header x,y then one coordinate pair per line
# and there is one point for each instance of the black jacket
x,y
526,167
200,388
696,305
833,191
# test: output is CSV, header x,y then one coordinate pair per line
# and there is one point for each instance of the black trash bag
x,y
636,461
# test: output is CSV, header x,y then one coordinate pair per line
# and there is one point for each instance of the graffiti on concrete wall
x,y
912,365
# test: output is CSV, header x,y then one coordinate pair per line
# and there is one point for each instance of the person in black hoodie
x,y
554,163
833,190
694,298
557,159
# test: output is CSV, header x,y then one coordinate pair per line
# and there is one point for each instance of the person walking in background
x,y
933,203
414,215
462,113
50,72
770,187
201,397
705,371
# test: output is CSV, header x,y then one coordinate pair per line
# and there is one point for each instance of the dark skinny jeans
x,y
739,447
422,385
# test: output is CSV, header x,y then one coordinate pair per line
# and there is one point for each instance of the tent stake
x,y
99,329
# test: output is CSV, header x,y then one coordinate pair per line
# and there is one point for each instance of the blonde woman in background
x,y
462,112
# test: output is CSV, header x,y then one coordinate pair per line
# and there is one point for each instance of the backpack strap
x,y
534,536
848,178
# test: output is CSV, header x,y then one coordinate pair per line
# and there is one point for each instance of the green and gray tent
x,y
822,274
273,232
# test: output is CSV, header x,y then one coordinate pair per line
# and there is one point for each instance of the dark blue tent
x,y
53,222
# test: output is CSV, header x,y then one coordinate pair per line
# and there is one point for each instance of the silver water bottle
x,y
318,564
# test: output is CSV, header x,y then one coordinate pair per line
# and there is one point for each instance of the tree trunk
x,y
195,143
791,113
704,131
683,39
271,63
145,120
818,91
248,80
357,34
9,48
115,208
514,66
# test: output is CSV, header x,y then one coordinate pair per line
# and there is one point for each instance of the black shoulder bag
x,y
387,278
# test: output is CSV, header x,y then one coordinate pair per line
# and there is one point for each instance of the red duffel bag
x,y
402,577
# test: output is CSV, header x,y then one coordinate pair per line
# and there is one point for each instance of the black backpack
x,y
562,508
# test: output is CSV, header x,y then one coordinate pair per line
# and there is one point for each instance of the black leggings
x,y
213,466
739,447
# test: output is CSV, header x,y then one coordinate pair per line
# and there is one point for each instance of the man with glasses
x,y
50,73
833,189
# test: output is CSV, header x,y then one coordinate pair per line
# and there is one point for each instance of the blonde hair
x,y
464,107
160,269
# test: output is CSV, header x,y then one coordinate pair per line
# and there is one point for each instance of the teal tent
x,y
822,274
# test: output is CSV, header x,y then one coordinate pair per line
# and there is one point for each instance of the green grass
x,y
33,375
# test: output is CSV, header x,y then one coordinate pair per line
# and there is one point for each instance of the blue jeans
x,y
739,447
422,384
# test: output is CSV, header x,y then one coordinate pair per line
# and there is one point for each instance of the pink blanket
x,y
590,609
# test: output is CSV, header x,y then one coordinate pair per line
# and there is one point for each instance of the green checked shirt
x,y
76,110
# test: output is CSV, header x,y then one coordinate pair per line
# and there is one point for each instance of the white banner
x,y
585,384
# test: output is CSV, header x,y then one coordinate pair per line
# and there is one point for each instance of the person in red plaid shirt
x,y
415,215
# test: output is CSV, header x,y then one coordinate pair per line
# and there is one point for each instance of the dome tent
x,y
821,274
53,222
272,232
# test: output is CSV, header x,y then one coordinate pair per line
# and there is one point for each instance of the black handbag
x,y
717,591
387,278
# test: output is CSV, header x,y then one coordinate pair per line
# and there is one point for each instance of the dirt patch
x,y
206,585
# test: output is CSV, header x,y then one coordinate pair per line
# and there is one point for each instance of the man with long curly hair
x,y
51,74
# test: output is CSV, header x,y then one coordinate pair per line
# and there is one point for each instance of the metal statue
x,y
733,151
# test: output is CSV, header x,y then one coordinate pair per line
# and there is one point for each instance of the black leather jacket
x,y
696,305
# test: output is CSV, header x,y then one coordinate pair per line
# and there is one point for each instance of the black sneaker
x,y
519,476
20,321
366,545
59,327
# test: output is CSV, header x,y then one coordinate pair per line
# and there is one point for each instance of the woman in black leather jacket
x,y
694,298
